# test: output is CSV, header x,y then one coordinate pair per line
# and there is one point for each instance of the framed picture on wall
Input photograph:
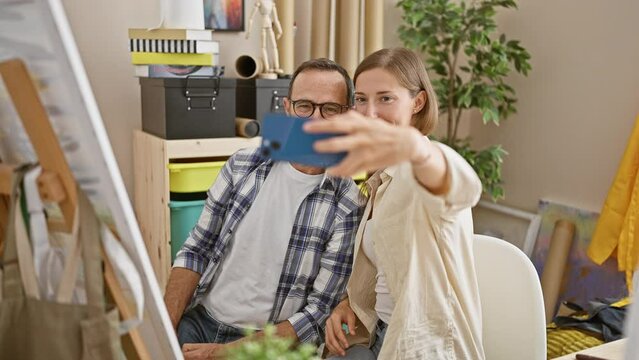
x,y
224,15
518,227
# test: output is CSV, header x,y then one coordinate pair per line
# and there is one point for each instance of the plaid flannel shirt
x,y
320,251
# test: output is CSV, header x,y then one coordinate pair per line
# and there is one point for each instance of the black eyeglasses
x,y
306,108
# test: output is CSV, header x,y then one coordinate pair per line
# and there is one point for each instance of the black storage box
x,y
256,97
188,108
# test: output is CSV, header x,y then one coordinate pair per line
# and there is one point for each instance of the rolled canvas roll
x,y
320,28
302,33
286,12
182,14
247,66
246,127
553,273
374,26
346,41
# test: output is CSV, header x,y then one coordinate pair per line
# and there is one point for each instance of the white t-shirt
x,y
384,303
242,293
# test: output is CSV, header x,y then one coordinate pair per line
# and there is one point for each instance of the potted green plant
x,y
269,346
470,64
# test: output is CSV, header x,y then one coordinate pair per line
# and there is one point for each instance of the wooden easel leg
x,y
4,217
26,100
133,344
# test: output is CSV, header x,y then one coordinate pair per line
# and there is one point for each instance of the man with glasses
x,y
274,243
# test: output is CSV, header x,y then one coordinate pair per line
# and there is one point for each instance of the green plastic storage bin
x,y
193,177
184,216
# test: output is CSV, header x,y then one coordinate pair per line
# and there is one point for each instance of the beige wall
x,y
575,109
577,106
100,30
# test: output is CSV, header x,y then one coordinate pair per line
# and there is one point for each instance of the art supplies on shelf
x,y
177,71
171,34
174,53
174,46
147,58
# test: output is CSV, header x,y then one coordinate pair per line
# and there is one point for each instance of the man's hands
x,y
335,339
219,351
203,351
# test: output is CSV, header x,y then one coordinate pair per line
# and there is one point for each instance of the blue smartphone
x,y
284,139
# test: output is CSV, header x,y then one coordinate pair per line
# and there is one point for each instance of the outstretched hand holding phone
x,y
283,138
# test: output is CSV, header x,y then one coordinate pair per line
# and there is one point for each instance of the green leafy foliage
x,y
272,347
469,64
487,163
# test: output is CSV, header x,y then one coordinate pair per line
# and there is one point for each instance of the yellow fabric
x,y
622,303
619,220
567,341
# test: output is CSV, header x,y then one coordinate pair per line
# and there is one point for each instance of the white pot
x,y
183,14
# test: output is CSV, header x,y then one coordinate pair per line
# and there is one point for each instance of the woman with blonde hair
x,y
413,291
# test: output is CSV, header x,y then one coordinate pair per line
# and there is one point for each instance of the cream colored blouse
x,y
423,244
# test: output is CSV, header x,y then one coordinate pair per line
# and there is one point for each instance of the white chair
x,y
514,325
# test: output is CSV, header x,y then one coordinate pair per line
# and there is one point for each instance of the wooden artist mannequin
x,y
269,18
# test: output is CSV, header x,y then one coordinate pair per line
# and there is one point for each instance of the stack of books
x,y
174,53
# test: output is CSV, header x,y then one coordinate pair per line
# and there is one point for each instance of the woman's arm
x,y
429,164
447,179
374,144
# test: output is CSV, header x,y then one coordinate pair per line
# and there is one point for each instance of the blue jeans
x,y
362,352
197,326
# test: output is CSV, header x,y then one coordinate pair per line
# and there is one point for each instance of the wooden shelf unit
x,y
151,156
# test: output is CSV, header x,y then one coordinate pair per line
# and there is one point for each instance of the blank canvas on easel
x,y
37,32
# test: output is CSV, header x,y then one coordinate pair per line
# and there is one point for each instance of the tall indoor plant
x,y
470,64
